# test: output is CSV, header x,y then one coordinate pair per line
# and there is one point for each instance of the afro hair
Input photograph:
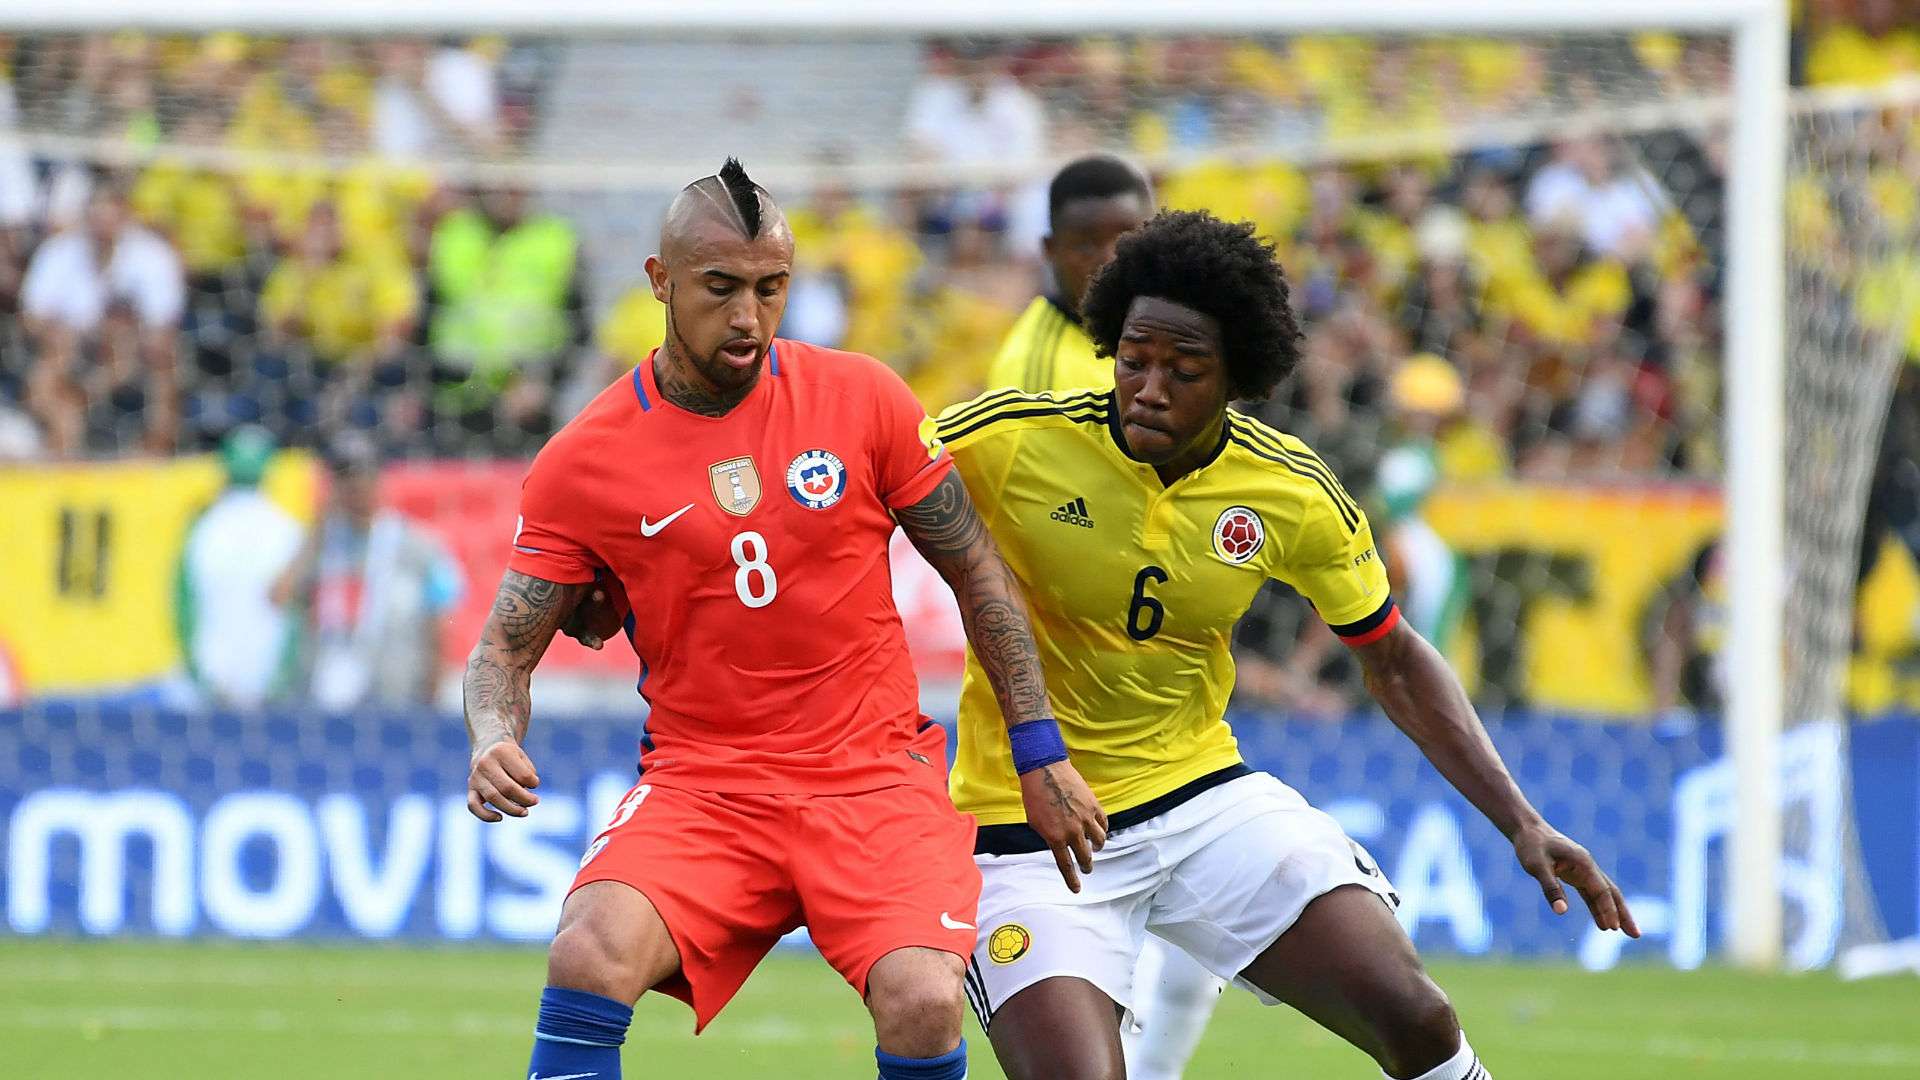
x,y
1216,267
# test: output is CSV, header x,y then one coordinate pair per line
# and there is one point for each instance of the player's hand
x,y
596,618
502,781
1062,809
1552,858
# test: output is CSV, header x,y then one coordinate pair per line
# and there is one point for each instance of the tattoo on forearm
x,y
526,613
947,531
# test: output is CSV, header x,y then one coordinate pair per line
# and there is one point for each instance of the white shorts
x,y
1221,876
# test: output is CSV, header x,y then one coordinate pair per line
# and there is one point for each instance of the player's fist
x,y
599,615
1062,809
1552,858
501,781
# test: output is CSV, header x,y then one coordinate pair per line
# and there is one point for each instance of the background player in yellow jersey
x,y
1141,522
1090,202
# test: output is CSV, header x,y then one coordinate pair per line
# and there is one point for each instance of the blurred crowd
x,y
1540,307
170,287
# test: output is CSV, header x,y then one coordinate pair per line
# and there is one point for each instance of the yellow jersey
x,y
1135,588
343,307
1048,350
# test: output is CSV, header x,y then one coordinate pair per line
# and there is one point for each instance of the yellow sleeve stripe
x,y
984,403
1077,407
1304,454
1306,465
1006,399
1092,403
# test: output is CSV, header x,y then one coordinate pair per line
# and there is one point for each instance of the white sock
x,y
1174,997
1463,1065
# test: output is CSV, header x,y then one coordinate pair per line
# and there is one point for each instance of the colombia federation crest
x,y
817,479
1238,534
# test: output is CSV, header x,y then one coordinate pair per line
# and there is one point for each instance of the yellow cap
x,y
1427,384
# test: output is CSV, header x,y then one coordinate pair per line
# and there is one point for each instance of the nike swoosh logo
x,y
569,1076
952,923
647,528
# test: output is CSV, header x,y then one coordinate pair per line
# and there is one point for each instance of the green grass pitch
x,y
127,1010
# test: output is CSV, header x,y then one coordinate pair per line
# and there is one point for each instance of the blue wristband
x,y
1036,744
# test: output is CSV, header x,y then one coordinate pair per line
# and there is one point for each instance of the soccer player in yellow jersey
x,y
1090,202
1140,522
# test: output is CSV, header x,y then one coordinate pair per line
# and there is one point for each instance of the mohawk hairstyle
x,y
744,193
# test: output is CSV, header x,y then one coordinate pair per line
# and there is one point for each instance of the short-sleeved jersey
x,y
1135,586
1047,350
753,549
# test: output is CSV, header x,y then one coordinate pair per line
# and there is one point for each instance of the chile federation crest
x,y
817,479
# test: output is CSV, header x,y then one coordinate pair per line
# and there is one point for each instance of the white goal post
x,y
1754,309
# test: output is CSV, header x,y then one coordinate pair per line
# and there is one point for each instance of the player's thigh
x,y
882,871
1060,1028
1052,972
712,870
1347,965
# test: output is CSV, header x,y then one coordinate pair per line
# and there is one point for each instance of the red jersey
x,y
753,548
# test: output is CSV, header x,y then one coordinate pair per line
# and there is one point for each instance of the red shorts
x,y
730,874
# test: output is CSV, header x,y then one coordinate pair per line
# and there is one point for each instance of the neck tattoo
x,y
683,386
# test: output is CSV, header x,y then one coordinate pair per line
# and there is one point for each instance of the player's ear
x,y
657,277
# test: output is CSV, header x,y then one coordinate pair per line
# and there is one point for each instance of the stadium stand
x,y
1540,314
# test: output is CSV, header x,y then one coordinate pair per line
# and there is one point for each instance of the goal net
x,y
407,259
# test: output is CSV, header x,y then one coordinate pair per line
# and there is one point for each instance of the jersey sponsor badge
x,y
1008,942
1238,534
736,485
817,479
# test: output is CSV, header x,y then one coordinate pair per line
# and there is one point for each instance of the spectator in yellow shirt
x,y
1272,194
1872,50
872,258
1498,240
344,307
960,320
194,207
1561,296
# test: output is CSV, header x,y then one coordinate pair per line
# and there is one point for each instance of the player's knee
x,y
588,955
583,958
917,1002
1423,1034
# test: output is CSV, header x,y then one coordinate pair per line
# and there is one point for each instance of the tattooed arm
x,y
526,613
950,534
947,531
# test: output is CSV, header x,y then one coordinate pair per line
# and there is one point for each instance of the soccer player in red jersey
x,y
741,490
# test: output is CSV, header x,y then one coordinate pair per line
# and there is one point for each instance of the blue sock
x,y
951,1065
579,1035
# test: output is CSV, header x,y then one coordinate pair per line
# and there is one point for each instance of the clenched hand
x,y
501,781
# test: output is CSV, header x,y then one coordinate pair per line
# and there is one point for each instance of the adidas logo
x,y
1073,512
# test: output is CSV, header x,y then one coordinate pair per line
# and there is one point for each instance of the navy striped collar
x,y
640,385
